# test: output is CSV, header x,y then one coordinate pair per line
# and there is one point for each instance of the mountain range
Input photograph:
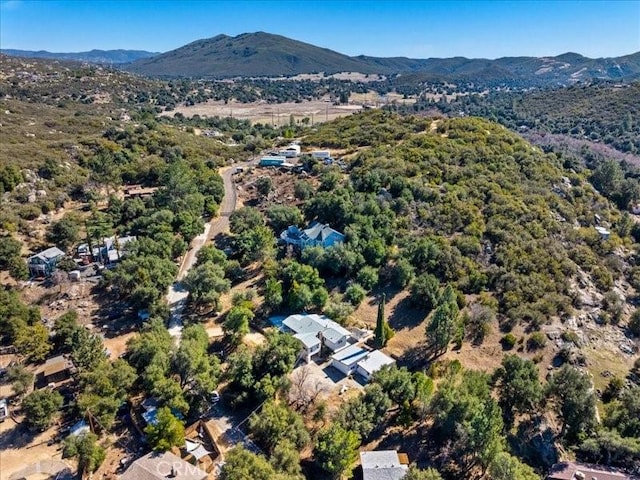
x,y
93,56
263,54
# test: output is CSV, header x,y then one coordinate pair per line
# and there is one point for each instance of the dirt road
x,y
177,294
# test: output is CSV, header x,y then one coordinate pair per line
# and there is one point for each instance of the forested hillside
x,y
511,318
604,113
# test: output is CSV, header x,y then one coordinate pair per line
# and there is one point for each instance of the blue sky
x,y
418,29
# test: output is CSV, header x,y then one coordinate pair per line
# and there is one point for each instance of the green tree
x,y
10,258
364,413
64,232
273,293
572,397
198,371
103,390
286,459
39,408
519,389
623,414
236,325
441,328
380,332
415,473
508,467
468,416
87,349
206,283
276,423
32,342
336,450
282,216
245,219
396,382
241,464
85,447
20,378
166,433
264,185
255,244
425,291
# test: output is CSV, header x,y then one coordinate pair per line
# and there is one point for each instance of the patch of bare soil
x,y
20,449
279,114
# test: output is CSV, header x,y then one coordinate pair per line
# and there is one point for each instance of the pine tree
x,y
381,331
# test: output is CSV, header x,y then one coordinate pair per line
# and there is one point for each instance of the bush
x,y
355,294
634,323
536,341
368,277
508,341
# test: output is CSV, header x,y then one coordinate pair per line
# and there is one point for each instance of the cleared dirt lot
x,y
276,114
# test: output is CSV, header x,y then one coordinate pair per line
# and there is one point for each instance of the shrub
x,y
508,341
355,294
536,341
634,323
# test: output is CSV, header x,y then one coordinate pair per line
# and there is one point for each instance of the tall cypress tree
x,y
381,331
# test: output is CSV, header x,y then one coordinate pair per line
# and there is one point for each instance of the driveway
x,y
177,294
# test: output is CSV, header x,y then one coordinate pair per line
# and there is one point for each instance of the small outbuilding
x,y
55,369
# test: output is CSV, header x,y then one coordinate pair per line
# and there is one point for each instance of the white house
x,y
317,234
383,465
373,362
313,331
346,360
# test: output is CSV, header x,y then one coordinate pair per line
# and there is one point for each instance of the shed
x,y
55,369
347,359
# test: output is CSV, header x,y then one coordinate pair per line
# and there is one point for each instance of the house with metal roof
x,y
383,465
373,362
346,360
313,331
316,235
44,263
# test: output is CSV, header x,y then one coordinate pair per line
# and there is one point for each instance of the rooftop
x,y
56,365
49,253
568,471
313,323
350,355
375,361
156,466
382,465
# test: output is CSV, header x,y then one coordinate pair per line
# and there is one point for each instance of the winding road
x,y
177,294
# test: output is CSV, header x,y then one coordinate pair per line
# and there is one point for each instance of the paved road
x,y
177,294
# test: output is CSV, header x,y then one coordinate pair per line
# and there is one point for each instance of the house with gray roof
x,y
383,465
373,362
313,331
44,263
346,360
316,235
160,466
